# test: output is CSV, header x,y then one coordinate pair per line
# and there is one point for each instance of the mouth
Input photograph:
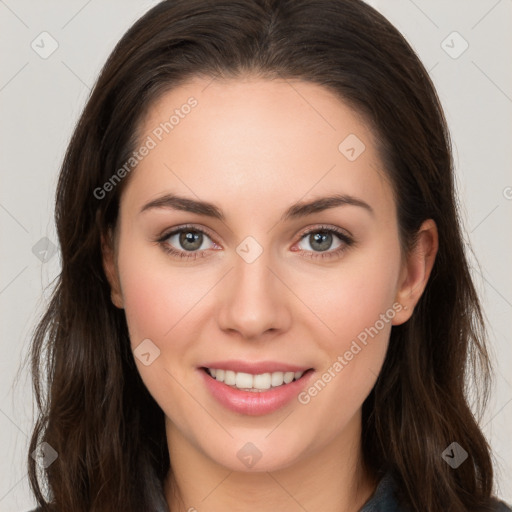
x,y
255,383
255,394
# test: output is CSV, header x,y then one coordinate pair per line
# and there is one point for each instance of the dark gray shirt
x,y
382,500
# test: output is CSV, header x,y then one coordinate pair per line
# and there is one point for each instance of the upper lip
x,y
257,367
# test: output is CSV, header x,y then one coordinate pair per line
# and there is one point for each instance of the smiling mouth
x,y
254,383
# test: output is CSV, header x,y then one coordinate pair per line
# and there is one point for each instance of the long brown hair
x,y
94,409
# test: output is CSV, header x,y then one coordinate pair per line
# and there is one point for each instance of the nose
x,y
254,300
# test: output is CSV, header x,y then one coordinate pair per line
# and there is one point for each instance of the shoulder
x,y
384,499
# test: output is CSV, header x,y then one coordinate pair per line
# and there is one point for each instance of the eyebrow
x,y
296,210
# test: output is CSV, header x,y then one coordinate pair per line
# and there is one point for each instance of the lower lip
x,y
255,403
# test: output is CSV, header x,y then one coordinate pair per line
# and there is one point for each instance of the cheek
x,y
156,297
357,305
147,302
354,298
159,304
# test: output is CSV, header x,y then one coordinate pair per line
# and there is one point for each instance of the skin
x,y
254,147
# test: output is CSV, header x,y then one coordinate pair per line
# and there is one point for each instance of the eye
x,y
186,242
189,242
320,241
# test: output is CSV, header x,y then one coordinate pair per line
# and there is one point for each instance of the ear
x,y
109,266
416,271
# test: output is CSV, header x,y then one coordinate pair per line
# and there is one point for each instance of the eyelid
x,y
327,227
344,235
193,227
319,227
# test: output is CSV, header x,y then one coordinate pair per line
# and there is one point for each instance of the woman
x,y
264,301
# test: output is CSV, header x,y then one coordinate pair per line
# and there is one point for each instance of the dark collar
x,y
383,499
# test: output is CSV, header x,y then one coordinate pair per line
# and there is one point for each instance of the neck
x,y
329,478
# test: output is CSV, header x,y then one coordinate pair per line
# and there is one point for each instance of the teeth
x,y
249,382
242,380
229,378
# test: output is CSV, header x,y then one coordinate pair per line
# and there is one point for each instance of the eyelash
x,y
193,255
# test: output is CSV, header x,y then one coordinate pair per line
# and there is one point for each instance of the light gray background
x,y
40,100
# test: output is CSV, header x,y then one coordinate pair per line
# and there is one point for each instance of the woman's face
x,y
245,288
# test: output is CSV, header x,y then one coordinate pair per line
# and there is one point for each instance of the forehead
x,y
247,139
